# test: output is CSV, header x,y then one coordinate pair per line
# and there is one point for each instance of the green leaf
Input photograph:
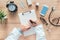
x,y
2,15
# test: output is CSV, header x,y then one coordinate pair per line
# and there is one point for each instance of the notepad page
x,y
24,19
40,34
29,32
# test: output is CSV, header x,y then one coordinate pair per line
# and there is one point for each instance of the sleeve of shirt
x,y
40,34
14,35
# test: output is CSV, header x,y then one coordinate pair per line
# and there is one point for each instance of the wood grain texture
x,y
13,21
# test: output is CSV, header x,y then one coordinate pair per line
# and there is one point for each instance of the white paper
x,y
14,35
40,34
29,32
24,19
29,2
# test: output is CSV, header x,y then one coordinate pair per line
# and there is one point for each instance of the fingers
x,y
32,24
27,28
24,28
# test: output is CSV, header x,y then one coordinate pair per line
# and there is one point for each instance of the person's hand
x,y
34,23
25,28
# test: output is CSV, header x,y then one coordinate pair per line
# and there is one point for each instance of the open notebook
x,y
24,19
40,34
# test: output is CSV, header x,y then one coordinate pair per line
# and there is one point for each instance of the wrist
x,y
20,30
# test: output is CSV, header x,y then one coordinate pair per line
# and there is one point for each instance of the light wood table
x,y
13,20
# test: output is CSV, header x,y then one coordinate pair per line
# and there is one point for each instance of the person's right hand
x,y
34,23
25,28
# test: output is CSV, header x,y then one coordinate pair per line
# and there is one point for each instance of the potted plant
x,y
2,15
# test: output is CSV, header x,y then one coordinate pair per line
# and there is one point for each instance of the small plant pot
x,y
0,21
2,16
3,20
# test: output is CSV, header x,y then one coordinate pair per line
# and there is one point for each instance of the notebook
x,y
24,19
40,34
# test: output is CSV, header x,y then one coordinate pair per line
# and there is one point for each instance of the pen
x,y
32,22
43,21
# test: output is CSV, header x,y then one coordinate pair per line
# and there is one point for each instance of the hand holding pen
x,y
33,23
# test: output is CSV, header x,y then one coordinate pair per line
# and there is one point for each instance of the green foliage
x,y
2,15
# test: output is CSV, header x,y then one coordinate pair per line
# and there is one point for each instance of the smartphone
x,y
44,10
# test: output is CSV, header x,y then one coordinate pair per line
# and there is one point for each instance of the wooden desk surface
x,y
13,21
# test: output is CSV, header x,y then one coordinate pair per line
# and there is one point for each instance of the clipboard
x,y
26,16
24,19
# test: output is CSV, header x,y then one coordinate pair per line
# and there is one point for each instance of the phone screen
x,y
44,10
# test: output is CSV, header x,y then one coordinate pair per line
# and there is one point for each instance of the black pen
x,y
32,22
43,21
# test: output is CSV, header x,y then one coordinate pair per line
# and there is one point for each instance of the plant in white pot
x,y
2,16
